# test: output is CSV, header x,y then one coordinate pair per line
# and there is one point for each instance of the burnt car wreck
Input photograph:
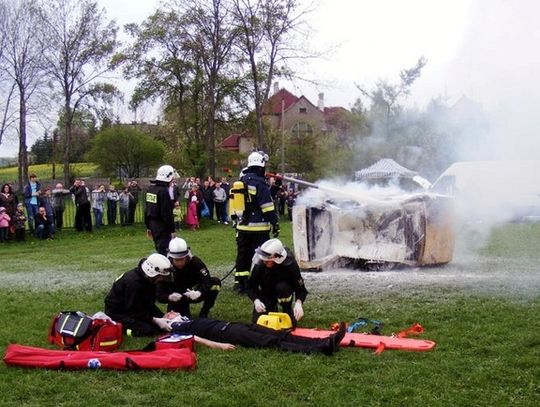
x,y
382,230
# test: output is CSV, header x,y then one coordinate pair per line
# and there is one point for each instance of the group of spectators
x,y
208,198
283,196
45,208
103,199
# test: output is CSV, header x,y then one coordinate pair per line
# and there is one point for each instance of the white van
x,y
499,191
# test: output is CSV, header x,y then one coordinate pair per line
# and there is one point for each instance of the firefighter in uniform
x,y
258,219
132,298
158,215
191,282
274,279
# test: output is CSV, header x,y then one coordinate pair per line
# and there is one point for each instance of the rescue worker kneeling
x,y
191,282
275,278
132,298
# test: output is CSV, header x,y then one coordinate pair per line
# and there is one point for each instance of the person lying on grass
x,y
226,335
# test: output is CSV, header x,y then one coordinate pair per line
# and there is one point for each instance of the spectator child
x,y
46,201
4,224
43,225
192,220
20,223
178,215
112,199
124,200
59,194
291,199
99,195
220,200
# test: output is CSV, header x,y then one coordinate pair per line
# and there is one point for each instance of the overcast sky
x,y
484,49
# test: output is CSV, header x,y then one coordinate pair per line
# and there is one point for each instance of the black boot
x,y
204,312
333,341
240,287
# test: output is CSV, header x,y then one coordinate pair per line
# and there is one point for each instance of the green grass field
x,y
44,171
487,354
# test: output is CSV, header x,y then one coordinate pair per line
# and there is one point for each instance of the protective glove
x,y
192,295
259,306
276,230
162,323
298,310
174,297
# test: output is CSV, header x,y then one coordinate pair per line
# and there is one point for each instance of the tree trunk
x,y
67,142
260,128
23,153
210,130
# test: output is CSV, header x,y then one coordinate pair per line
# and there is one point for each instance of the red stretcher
x,y
377,342
29,356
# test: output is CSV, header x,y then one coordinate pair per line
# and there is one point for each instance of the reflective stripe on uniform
x,y
250,228
252,189
286,299
267,207
215,288
241,274
119,277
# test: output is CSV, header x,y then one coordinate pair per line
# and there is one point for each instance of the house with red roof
x,y
298,116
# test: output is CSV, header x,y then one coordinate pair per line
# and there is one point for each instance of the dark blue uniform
x,y
132,301
277,285
257,221
158,215
195,276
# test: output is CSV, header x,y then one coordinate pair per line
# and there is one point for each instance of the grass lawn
x,y
487,354
44,171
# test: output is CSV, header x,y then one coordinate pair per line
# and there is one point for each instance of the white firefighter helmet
x,y
156,265
257,159
272,250
178,248
166,173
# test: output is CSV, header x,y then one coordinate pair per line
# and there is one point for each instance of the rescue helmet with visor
x,y
178,248
156,265
166,173
272,250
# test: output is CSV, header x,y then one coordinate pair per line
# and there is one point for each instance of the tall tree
x,y
385,97
22,59
211,39
125,150
166,70
183,54
7,86
267,30
79,42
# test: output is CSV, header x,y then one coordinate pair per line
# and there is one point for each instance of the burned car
x,y
379,228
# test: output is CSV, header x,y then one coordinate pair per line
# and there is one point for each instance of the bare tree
x,y
7,85
267,30
79,43
23,61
